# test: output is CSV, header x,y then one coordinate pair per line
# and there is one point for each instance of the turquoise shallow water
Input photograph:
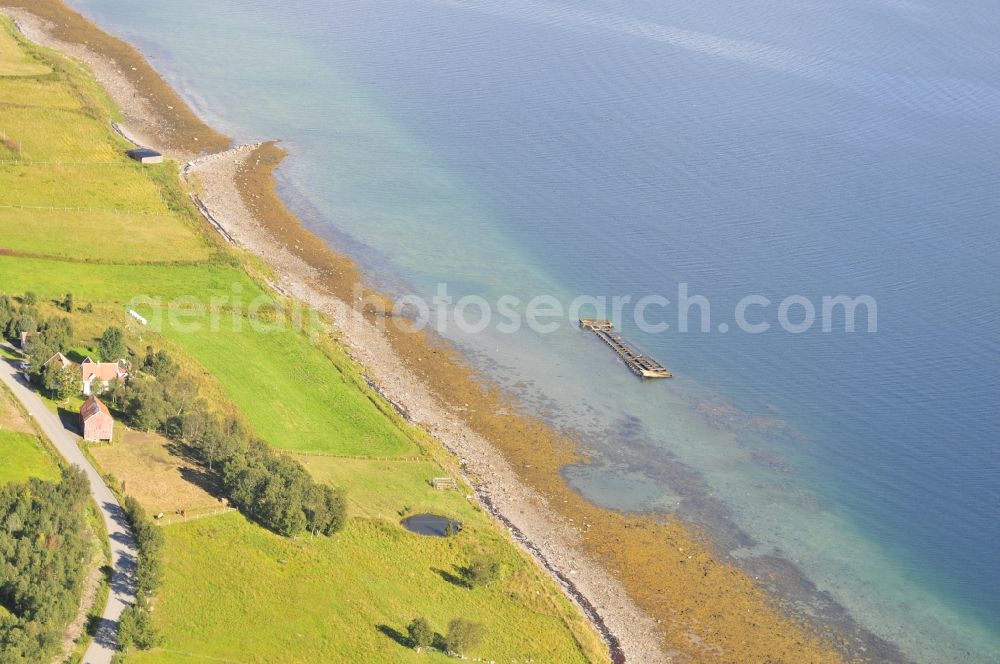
x,y
521,147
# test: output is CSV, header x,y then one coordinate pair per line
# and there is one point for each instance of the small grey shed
x,y
146,156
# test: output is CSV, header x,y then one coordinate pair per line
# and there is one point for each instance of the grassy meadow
x,y
50,134
291,392
136,236
234,591
386,489
14,61
119,283
23,457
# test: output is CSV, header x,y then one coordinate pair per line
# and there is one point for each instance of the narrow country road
x,y
123,554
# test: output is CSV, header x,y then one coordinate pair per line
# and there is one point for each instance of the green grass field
x,y
62,171
294,397
14,61
120,284
107,187
236,592
382,489
58,134
137,238
22,457
38,93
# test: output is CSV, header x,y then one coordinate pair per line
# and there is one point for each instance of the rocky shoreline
x,y
628,632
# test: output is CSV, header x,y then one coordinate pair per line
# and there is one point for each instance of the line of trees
x,y
271,488
135,626
44,547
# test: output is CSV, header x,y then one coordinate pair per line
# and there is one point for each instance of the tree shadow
x,y
93,624
106,633
69,420
197,474
181,451
457,578
395,635
75,356
208,482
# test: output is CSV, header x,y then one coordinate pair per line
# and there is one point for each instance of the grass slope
x,y
294,397
22,457
236,592
38,93
384,489
57,134
130,237
14,61
121,284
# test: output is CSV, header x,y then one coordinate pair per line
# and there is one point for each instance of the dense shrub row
x,y
43,550
135,626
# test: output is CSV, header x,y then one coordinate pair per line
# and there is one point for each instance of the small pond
x,y
431,524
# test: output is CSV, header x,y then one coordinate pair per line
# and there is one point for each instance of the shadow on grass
x,y
457,578
69,420
204,480
198,474
181,451
395,635
76,356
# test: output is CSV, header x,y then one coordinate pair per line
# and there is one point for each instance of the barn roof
x,y
143,153
91,407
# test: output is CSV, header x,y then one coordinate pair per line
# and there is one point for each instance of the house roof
x,y
91,407
60,358
101,370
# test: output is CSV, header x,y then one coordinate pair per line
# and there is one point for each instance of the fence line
x,y
50,208
358,457
200,656
36,162
171,519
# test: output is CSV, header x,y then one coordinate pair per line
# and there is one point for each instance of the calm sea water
x,y
565,148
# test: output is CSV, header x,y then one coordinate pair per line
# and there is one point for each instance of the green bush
x,y
135,628
482,571
112,344
463,635
421,634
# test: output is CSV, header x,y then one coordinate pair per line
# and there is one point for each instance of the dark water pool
x,y
431,524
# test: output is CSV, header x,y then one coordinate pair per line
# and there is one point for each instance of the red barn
x,y
95,420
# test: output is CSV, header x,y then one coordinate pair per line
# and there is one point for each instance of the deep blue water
x,y
738,147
